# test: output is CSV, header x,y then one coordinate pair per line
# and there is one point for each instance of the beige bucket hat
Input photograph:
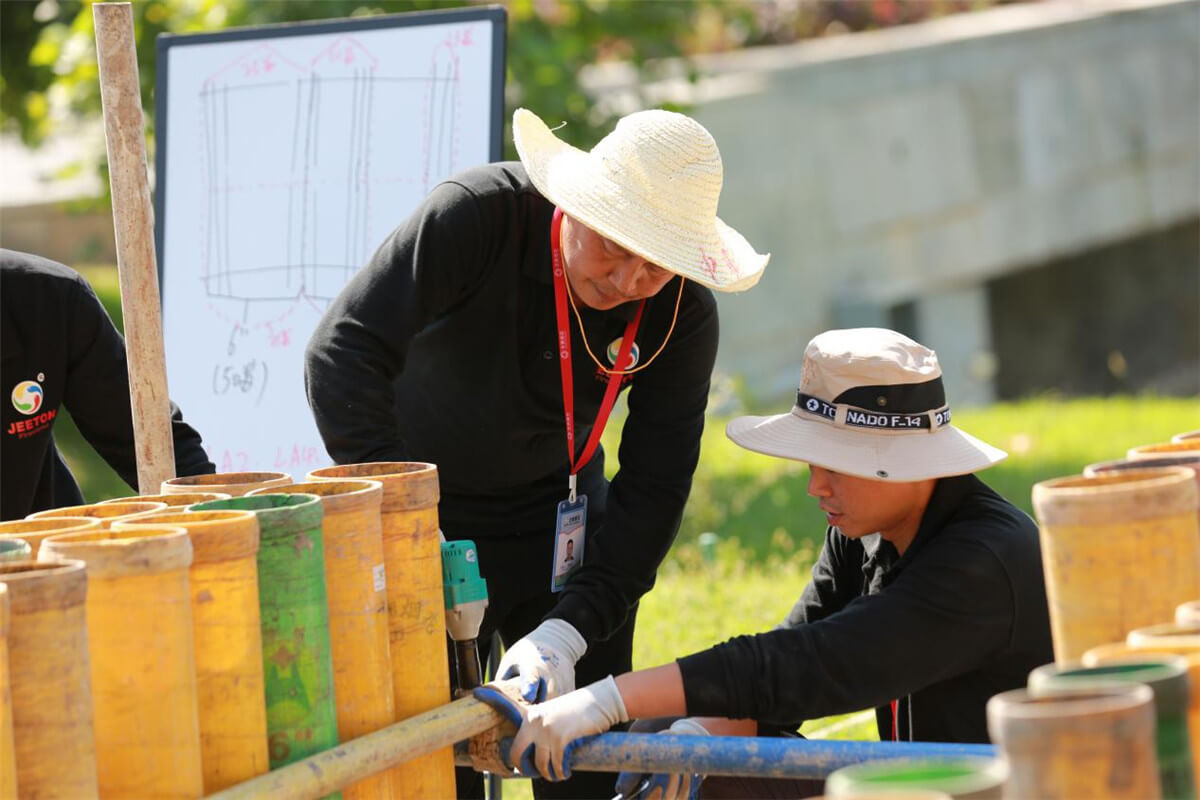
x,y
652,187
870,404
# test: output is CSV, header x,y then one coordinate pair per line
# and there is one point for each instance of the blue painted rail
x,y
742,755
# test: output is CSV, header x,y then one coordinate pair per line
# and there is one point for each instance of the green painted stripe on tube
x,y
961,777
297,657
1167,677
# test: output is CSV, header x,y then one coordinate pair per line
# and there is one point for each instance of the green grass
x,y
769,529
761,503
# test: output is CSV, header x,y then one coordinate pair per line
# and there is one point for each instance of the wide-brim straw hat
x,y
870,404
652,187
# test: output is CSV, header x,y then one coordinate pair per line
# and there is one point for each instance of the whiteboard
x,y
285,155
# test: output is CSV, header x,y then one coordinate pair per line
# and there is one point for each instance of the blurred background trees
x,y
48,68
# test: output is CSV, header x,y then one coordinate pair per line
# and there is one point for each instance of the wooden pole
x,y
352,761
133,224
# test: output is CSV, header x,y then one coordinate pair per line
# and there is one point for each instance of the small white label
x,y
380,577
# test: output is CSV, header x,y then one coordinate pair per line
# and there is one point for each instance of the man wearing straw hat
x,y
926,600
491,333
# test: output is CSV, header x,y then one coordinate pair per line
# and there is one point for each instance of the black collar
x,y
883,557
947,496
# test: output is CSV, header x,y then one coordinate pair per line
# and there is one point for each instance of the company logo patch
x,y
27,397
614,350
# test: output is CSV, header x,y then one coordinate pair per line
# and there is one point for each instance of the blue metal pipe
x,y
764,757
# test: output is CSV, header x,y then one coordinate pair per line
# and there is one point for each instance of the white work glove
x,y
551,730
665,785
544,660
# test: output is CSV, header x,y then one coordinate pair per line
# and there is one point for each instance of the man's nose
x,y
818,482
628,275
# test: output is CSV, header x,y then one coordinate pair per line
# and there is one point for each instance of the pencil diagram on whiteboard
x,y
285,156
295,153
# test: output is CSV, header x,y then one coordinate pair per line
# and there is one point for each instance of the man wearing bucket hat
x,y
491,333
926,600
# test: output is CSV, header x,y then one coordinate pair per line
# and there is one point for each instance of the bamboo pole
x,y
133,225
352,761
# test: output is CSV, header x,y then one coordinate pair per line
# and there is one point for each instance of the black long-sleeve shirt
x,y
958,618
61,349
443,349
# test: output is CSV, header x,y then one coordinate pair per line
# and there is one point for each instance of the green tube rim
x,y
951,775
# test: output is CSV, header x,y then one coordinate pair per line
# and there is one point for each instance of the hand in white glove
x,y
544,660
551,730
665,785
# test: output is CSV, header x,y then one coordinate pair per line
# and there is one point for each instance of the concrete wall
x,y
913,165
1122,317
55,231
41,197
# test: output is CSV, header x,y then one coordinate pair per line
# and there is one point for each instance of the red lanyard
x,y
564,361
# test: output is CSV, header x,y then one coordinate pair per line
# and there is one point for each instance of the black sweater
x,y
960,617
61,349
443,349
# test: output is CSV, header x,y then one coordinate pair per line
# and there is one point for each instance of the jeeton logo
x,y
614,350
27,397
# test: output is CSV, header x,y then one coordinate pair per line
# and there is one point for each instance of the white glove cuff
x,y
607,698
688,726
561,636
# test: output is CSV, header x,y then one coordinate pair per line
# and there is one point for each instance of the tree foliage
x,y
47,48
48,67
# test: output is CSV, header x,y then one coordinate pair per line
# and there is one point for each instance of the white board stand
x,y
285,155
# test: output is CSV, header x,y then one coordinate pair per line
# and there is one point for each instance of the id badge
x,y
569,537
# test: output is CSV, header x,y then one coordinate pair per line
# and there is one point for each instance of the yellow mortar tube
x,y
1176,639
8,752
1188,460
234,484
1120,651
139,630
172,500
228,640
1184,447
50,679
1077,743
358,619
1120,551
416,607
107,513
34,531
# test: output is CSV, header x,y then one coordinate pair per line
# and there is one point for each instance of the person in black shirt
x,y
490,334
927,599
60,349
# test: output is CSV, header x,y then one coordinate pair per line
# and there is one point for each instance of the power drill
x,y
466,600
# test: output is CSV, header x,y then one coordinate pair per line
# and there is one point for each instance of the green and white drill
x,y
466,600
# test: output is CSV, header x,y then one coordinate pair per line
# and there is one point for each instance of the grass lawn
x,y
769,530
